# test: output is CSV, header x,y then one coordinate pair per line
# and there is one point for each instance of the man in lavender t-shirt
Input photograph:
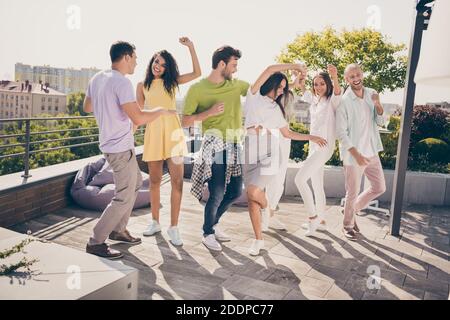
x,y
110,95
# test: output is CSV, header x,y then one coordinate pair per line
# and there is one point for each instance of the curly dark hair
x,y
170,75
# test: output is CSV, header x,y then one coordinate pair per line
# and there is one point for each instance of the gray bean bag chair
x,y
93,187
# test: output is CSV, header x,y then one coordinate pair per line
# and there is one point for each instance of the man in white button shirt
x,y
357,120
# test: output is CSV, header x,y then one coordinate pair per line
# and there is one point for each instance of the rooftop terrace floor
x,y
328,266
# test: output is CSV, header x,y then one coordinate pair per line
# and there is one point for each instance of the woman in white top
x,y
324,102
274,191
264,121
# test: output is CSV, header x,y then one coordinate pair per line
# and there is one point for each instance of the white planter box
x,y
420,187
63,273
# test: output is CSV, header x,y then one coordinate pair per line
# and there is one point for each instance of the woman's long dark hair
x,y
170,75
273,83
326,77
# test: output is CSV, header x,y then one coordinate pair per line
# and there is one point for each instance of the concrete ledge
x,y
48,188
447,193
63,273
15,181
46,191
420,187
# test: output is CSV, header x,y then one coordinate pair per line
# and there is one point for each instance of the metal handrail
x,y
63,147
63,130
12,145
28,143
46,119
64,139
7,136
53,131
13,155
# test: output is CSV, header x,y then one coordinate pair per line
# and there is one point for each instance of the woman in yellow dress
x,y
164,138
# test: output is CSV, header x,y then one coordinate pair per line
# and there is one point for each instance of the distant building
x,y
63,80
23,99
443,105
298,111
391,108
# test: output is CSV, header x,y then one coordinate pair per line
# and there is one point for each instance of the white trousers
x,y
313,168
275,190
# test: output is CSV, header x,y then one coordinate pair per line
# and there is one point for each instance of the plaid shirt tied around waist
x,y
202,171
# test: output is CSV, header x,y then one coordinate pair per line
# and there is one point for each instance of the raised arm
x,y
271,70
299,81
197,72
333,72
379,109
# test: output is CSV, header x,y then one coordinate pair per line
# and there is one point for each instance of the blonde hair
x,y
352,66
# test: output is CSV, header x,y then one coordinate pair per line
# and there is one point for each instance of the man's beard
x,y
227,76
358,87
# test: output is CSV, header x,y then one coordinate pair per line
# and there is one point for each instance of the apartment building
x,y
23,99
66,80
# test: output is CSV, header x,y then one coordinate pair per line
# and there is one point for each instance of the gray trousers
x,y
128,181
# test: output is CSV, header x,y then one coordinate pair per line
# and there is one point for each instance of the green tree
x,y
383,62
41,142
446,135
435,150
47,140
428,155
75,103
335,159
299,149
429,122
87,150
390,141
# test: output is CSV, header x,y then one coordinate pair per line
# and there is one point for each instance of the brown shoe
x,y
124,237
102,250
356,229
350,234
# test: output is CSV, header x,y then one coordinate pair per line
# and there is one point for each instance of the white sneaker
x,y
257,245
320,227
211,243
152,229
174,235
276,224
312,227
220,235
265,217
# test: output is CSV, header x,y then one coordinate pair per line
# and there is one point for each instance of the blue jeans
x,y
219,201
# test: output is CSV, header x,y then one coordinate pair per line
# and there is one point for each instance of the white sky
x,y
37,32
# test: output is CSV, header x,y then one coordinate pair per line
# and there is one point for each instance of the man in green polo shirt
x,y
215,102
